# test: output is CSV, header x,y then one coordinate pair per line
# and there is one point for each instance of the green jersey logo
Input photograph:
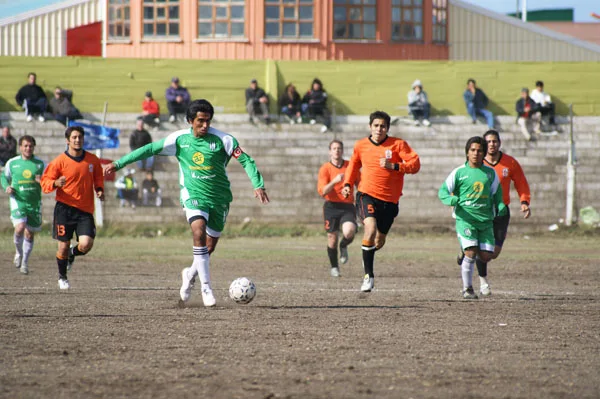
x,y
198,158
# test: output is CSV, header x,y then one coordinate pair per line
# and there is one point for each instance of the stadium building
x,y
285,30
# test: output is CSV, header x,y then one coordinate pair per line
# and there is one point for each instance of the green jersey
x,y
202,163
475,193
24,176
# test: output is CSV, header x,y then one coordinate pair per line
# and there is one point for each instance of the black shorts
x,y
336,214
69,220
383,212
501,228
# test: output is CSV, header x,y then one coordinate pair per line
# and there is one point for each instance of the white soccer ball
x,y
242,290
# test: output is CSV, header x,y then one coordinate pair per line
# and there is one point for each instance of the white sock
x,y
483,281
467,267
18,240
27,248
201,264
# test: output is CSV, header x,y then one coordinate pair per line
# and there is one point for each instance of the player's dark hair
x,y
32,73
477,140
27,138
539,83
199,106
492,132
380,115
471,80
336,141
72,129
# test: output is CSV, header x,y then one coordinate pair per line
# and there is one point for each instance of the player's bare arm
x,y
526,210
109,168
100,194
329,186
346,191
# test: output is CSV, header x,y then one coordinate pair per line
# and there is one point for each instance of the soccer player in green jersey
x,y
21,181
203,153
474,191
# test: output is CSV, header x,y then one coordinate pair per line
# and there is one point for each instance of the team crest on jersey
x,y
91,167
505,172
237,152
198,158
478,186
467,232
213,146
27,174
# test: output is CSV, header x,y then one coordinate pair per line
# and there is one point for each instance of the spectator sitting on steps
x,y
178,99
151,190
477,102
32,98
127,189
257,102
290,104
8,146
314,105
150,110
139,138
418,104
528,114
544,102
62,108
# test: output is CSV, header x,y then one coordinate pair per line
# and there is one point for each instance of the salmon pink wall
x,y
253,47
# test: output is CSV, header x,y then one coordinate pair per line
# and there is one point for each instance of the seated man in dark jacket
x,y
257,102
61,107
314,105
528,113
178,99
477,102
8,146
32,98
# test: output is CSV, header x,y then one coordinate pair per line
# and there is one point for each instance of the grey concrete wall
x,y
289,158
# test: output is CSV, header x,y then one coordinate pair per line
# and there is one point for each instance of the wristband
x,y
524,203
396,166
347,185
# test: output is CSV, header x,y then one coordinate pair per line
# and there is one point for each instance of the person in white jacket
x,y
545,104
127,188
418,104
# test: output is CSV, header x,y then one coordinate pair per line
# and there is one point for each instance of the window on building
x,y
161,18
289,19
354,19
440,21
221,19
118,19
407,20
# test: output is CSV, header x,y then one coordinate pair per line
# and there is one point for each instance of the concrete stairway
x,y
289,157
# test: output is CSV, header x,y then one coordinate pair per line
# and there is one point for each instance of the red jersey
x,y
151,107
507,168
376,181
84,177
326,174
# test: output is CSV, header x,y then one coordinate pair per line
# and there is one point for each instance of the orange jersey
x,y
507,168
376,181
326,174
84,177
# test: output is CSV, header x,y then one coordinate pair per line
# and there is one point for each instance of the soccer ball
x,y
242,290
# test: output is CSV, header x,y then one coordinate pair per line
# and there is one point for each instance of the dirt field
x,y
119,333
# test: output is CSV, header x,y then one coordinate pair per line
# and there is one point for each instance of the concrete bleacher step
x,y
289,157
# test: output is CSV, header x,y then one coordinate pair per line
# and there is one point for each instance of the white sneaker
x,y
368,284
343,255
41,118
172,118
24,268
299,119
292,122
207,296
324,129
335,272
63,284
312,121
186,287
426,123
17,260
157,121
417,123
485,290
29,118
